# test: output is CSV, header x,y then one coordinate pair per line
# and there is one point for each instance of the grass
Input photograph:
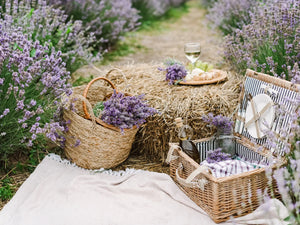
x,y
159,23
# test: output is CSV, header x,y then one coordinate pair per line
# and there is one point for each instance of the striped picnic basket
x,y
237,195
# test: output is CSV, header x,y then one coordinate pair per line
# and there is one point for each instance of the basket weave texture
x,y
234,195
101,145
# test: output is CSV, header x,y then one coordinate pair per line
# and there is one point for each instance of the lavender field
x,y
45,45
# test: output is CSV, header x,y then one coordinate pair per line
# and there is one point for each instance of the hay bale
x,y
188,102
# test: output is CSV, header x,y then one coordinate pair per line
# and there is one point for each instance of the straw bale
x,y
188,102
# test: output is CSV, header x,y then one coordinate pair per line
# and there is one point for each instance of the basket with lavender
x,y
107,129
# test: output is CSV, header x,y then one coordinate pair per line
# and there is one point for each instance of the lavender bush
x,y
207,3
288,178
32,80
126,111
217,155
49,25
228,15
270,43
108,20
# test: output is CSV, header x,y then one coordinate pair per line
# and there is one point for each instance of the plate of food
x,y
200,77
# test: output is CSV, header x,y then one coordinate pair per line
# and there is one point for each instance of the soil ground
x,y
156,47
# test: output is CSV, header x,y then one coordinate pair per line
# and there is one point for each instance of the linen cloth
x,y
231,167
59,193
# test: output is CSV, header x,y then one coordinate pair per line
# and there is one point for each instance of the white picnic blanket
x,y
59,193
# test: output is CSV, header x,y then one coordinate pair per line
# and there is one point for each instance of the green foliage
x,y
207,3
273,58
98,108
229,25
122,48
6,191
82,80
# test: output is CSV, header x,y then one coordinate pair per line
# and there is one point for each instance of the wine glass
x,y
192,52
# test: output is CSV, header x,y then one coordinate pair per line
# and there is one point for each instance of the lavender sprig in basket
x,y
126,112
224,136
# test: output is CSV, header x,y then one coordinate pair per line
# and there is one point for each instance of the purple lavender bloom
x,y
126,111
217,155
5,112
175,71
222,123
77,143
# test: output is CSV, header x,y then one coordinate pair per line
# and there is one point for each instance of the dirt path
x,y
157,46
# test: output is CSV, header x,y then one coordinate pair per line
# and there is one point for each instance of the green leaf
x,y
177,82
69,30
59,32
16,46
32,52
98,108
29,15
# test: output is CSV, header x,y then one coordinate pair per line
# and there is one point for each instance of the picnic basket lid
x,y
256,112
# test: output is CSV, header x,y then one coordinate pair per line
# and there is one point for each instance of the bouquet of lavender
x,y
222,123
217,155
175,71
126,111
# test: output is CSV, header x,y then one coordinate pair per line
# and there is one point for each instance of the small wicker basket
x,y
101,145
234,195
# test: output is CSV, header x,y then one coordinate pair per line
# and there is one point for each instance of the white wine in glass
x,y
192,51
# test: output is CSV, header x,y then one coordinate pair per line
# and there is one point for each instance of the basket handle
x,y
188,182
87,115
88,104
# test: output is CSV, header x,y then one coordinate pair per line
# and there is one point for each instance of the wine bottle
x,y
185,134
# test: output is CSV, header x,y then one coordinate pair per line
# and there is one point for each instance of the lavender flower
x,y
175,71
222,123
217,155
126,111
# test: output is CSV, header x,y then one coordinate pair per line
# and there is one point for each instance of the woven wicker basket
x,y
101,145
234,195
